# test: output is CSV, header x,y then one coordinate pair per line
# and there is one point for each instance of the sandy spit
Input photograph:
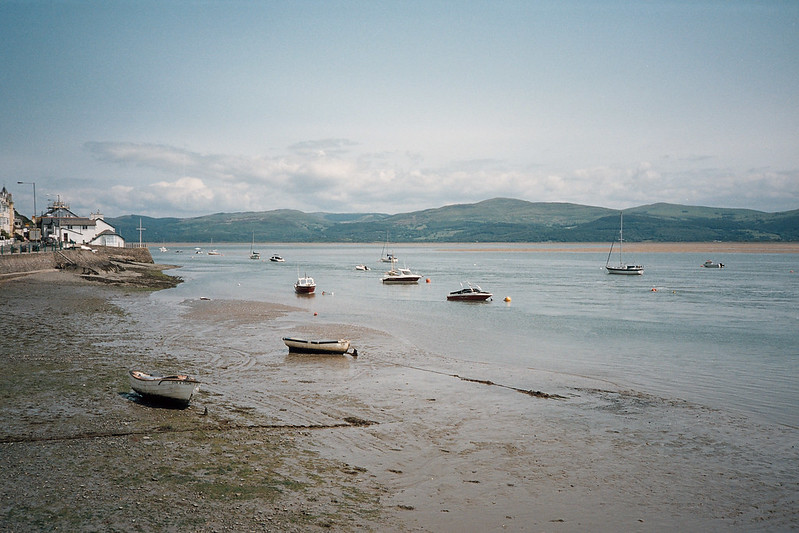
x,y
709,248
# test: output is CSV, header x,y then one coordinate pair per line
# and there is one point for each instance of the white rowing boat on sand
x,y
323,347
176,388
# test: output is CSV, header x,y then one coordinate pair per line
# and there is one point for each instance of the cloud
x,y
185,190
335,147
332,175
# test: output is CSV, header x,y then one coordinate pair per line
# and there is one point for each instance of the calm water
x,y
725,338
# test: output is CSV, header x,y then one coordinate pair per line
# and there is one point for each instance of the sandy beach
x,y
395,440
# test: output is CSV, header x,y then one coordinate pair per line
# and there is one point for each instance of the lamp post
x,y
34,194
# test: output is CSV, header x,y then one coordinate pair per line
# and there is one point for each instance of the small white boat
x,y
362,267
163,249
277,259
177,388
304,285
400,275
469,293
214,252
712,264
622,268
325,346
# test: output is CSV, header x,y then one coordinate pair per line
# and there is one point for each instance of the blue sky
x,y
189,108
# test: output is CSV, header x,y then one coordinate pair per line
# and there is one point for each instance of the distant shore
x,y
577,247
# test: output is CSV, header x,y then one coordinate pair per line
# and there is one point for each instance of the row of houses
x,y
58,225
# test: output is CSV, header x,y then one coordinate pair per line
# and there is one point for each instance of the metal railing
x,y
29,248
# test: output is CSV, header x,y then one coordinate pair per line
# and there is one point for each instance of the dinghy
x,y
176,388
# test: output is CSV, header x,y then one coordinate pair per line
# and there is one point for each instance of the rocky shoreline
x,y
132,267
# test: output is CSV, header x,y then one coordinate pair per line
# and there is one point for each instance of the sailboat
x,y
213,251
386,256
253,254
622,268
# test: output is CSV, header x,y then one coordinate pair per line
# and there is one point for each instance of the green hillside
x,y
495,220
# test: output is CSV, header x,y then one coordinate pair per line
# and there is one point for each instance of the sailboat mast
x,y
621,234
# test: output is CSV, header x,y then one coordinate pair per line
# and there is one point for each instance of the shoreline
x,y
577,247
394,441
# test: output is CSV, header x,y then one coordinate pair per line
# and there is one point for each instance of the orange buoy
x,y
315,313
507,298
427,280
654,289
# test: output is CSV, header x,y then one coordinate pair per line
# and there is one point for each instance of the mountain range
x,y
495,220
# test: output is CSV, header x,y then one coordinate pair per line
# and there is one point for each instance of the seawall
x,y
98,260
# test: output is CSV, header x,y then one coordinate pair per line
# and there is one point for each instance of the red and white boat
x,y
304,285
469,293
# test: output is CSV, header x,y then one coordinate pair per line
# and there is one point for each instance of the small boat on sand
x,y
322,347
712,264
469,293
175,389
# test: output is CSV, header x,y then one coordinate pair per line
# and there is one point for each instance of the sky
x,y
187,108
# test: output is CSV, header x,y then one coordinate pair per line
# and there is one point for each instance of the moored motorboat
x,y
469,293
712,264
304,285
277,259
400,275
362,267
322,347
177,388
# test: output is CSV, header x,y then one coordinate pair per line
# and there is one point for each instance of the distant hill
x,y
495,220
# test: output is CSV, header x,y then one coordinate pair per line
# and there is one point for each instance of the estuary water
x,y
726,339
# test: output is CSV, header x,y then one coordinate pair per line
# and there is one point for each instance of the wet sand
x,y
395,440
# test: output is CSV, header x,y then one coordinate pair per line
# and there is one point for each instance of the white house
x,y
6,215
62,225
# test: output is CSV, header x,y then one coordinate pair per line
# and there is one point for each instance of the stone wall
x,y
98,260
